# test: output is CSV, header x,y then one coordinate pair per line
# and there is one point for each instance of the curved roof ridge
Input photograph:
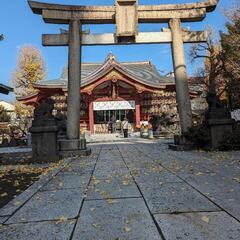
x,y
144,72
137,62
91,63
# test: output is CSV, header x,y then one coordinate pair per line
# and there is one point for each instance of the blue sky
x,y
20,26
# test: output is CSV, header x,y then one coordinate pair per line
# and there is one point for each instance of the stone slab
x,y
110,165
65,181
80,170
75,153
199,226
174,197
153,176
124,219
86,165
120,187
50,205
38,231
110,154
220,190
92,157
104,173
3,219
229,202
213,183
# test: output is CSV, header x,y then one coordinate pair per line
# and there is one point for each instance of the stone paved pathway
x,y
115,137
132,190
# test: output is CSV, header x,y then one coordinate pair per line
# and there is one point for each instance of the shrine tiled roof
x,y
142,72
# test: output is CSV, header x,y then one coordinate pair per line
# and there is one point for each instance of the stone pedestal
x,y
76,147
156,134
220,125
44,140
181,144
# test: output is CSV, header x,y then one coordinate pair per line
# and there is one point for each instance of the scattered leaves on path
x,y
61,219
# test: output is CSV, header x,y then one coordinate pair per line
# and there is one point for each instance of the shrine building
x,y
134,90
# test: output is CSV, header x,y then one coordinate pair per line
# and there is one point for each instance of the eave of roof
x,y
21,98
5,89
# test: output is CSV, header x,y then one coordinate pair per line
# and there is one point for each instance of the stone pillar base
x,y
73,147
219,128
181,144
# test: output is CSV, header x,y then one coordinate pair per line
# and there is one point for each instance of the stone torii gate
x,y
126,14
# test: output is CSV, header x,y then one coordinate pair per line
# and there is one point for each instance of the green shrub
x,y
230,143
198,135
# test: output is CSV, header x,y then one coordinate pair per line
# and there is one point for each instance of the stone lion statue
x,y
44,109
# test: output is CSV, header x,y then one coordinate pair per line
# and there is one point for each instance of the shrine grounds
x,y
133,189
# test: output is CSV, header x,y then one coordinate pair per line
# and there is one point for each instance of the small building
x,y
10,109
134,90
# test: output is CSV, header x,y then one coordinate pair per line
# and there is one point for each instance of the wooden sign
x,y
126,18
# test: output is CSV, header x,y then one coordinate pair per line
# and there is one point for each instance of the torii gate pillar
x,y
73,142
74,74
181,80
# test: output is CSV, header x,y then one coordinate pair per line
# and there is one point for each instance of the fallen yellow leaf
x,y
205,219
127,229
112,201
17,203
62,219
94,225
125,183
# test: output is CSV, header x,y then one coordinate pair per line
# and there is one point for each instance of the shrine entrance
x,y
107,113
102,119
127,15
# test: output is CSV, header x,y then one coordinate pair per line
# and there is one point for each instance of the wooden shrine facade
x,y
134,90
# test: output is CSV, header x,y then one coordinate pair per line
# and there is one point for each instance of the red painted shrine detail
x,y
125,89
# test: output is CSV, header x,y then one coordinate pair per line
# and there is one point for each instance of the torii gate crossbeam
x,y
62,14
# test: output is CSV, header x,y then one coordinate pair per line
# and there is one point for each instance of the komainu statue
x,y
44,110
